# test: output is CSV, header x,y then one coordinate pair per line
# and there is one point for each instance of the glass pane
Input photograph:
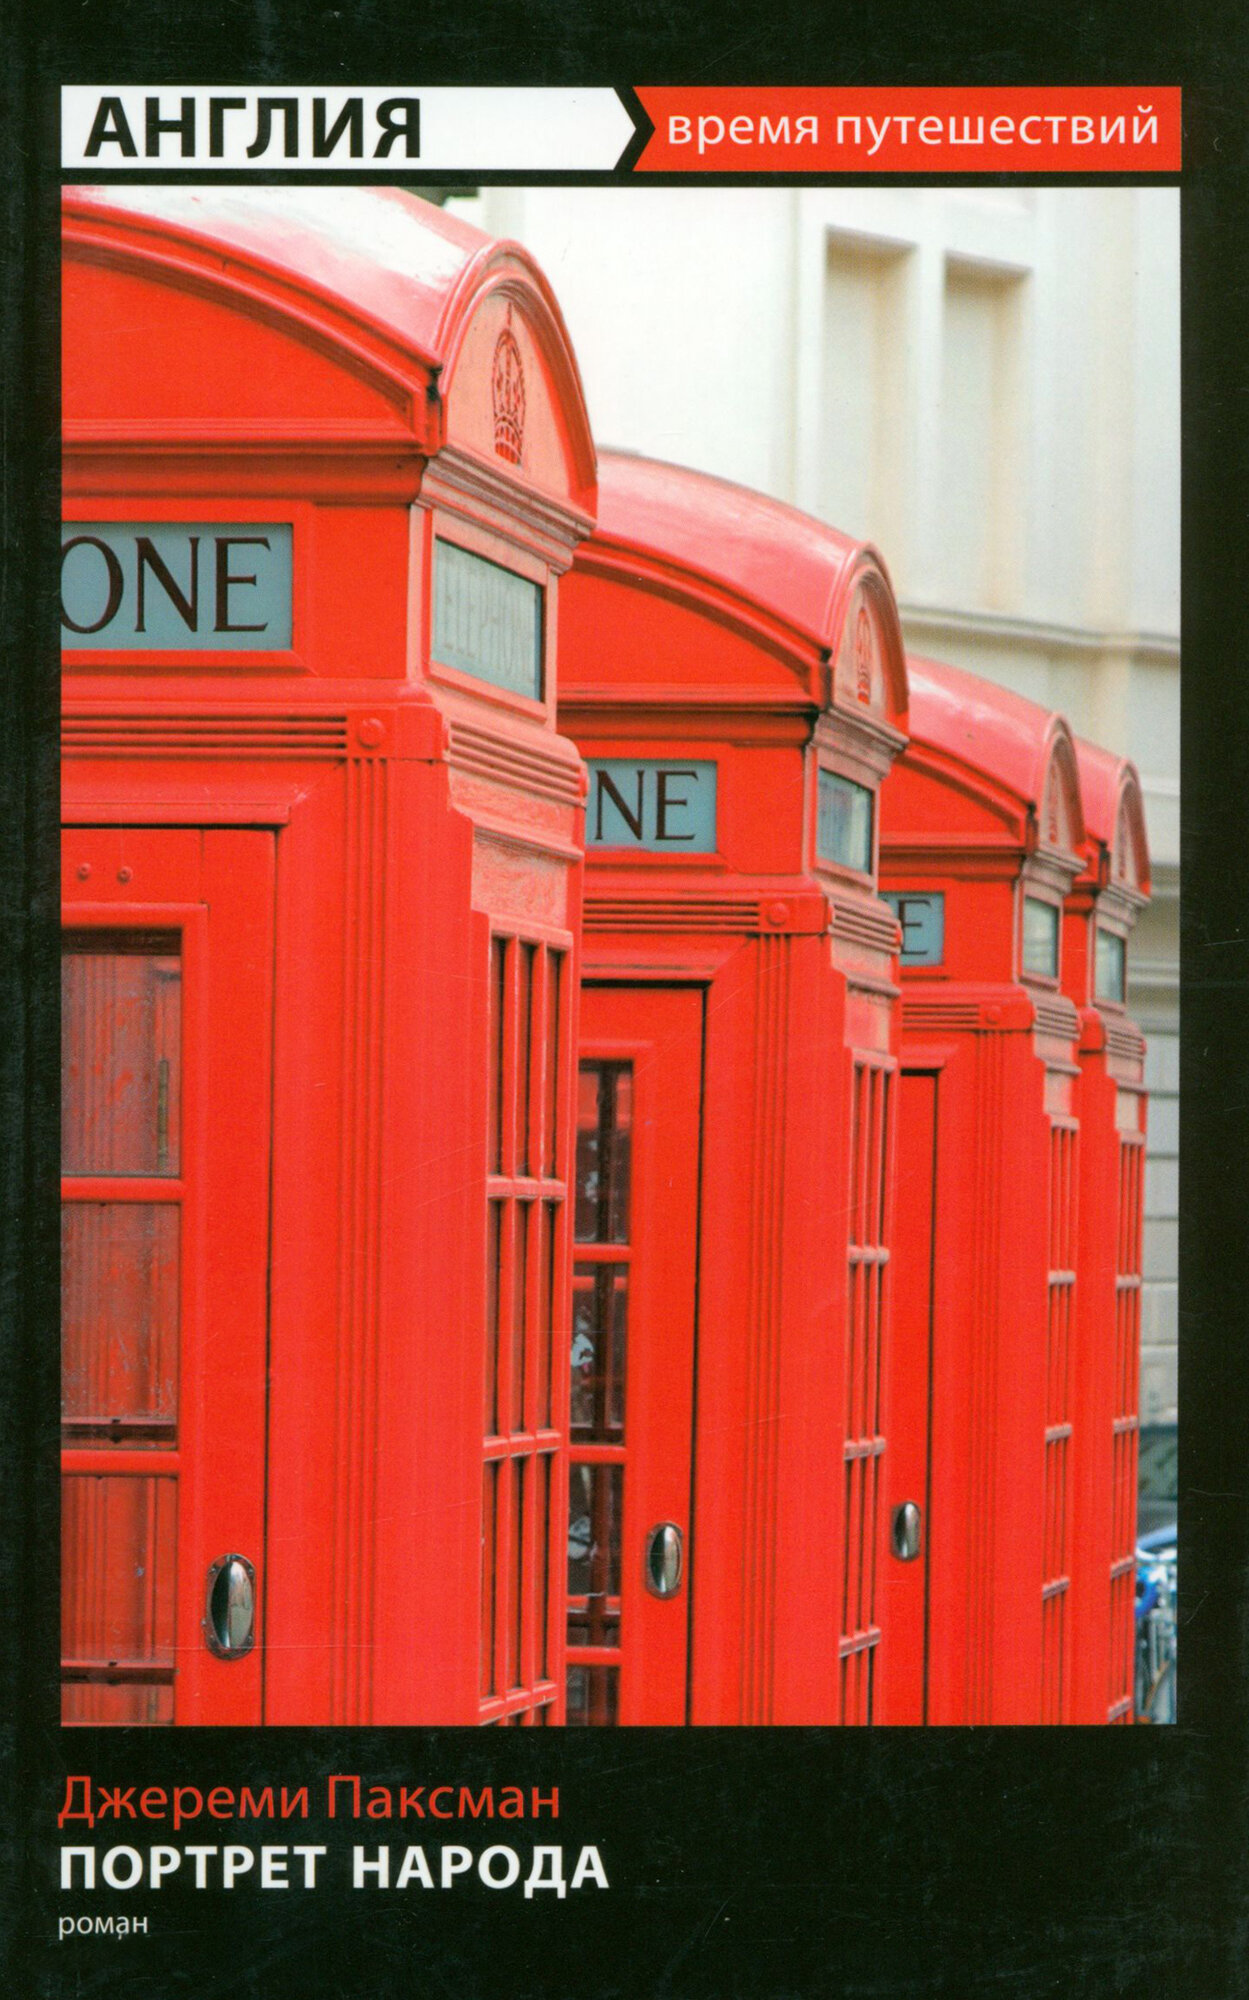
x,y
592,1694
520,1292
884,1087
619,1154
1111,966
615,1317
512,1676
604,1151
104,1703
524,1079
600,1311
594,1507
489,1581
498,995
120,1054
117,1569
552,1164
843,831
1040,937
549,1219
585,1350
487,620
594,1627
544,1547
590,1081
119,1313
922,922
494,1240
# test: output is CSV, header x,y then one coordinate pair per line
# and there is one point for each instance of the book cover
x,y
536,916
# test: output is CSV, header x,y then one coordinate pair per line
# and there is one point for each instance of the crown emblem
x,y
507,388
863,650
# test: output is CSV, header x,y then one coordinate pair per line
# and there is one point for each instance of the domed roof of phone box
x,y
1114,814
984,731
766,565
390,281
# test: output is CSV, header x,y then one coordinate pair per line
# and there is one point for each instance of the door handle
x,y
905,1531
665,1559
230,1609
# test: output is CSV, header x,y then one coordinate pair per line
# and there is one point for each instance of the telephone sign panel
x,y
176,586
843,827
922,920
487,620
661,808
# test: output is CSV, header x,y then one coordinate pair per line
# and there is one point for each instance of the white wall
x,y
984,381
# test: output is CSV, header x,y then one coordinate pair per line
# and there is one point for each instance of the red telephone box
x,y
733,673
326,456
982,836
1101,911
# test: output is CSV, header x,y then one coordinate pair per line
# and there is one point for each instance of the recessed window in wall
x,y
979,521
866,408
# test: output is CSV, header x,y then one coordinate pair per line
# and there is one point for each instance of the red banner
x,y
1008,130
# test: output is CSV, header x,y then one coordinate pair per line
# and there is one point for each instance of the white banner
x,y
399,128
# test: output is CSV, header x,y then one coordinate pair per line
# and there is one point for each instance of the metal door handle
x,y
905,1531
665,1559
230,1610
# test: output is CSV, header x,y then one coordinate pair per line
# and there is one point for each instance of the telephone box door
x,y
907,1526
632,1549
166,1025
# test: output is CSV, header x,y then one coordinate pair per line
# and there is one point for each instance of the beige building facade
x,y
986,383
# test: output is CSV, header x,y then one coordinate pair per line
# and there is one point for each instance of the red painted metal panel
x,y
168,1015
904,1582
279,363
983,811
779,573
646,1043
868,1342
525,1405
1105,903
709,625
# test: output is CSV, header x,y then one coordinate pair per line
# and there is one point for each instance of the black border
x,y
756,1862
